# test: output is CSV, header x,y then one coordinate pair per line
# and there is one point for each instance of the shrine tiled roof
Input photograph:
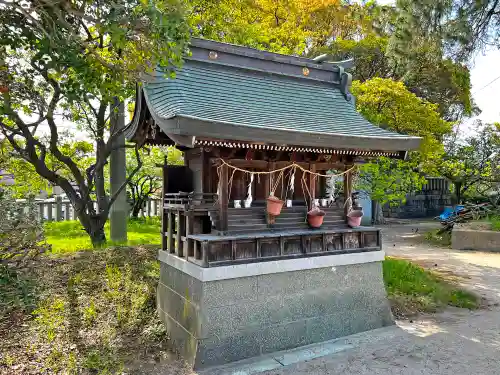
x,y
231,95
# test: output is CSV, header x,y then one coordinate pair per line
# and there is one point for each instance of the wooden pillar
x,y
347,189
269,185
269,181
181,231
49,211
206,172
59,216
223,198
204,253
164,213
170,232
41,212
312,182
188,229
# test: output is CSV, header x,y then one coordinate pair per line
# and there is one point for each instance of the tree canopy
x,y
461,27
473,164
389,104
64,61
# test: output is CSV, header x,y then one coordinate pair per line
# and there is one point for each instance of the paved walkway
x,y
455,342
478,271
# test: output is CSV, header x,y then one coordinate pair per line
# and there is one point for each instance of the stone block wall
x,y
430,201
419,205
222,321
471,239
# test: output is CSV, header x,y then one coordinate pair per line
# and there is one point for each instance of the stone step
x,y
277,226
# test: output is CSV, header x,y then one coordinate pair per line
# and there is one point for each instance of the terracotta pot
x,y
274,205
315,218
354,218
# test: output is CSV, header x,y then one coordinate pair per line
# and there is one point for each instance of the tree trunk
x,y
377,213
96,232
94,226
458,192
136,208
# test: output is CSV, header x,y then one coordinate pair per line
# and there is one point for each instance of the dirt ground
x,y
456,341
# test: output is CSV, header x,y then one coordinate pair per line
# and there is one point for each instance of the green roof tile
x,y
254,99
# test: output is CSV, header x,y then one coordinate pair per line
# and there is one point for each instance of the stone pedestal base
x,y
224,314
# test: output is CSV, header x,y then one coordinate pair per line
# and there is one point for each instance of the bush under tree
x,y
21,233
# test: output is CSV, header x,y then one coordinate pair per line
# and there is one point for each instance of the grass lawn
x,y
495,223
412,289
69,236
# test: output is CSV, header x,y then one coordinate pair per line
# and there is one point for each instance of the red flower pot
x,y
354,218
315,218
274,205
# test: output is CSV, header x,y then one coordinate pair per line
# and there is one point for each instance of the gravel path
x,y
454,342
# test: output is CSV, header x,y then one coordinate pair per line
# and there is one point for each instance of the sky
x,y
485,80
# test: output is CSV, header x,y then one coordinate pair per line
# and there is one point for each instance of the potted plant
x,y
315,217
354,218
274,205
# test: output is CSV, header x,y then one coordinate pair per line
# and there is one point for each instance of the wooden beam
x,y
179,234
188,228
312,182
170,232
347,190
204,253
164,217
264,165
223,198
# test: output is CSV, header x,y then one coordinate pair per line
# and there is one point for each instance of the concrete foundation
x,y
214,317
471,239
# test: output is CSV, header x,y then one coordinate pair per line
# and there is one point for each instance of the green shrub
x,y
21,234
439,239
412,289
495,223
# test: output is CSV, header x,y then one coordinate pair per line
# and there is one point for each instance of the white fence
x,y
58,209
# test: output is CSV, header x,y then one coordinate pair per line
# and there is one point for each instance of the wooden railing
x,y
190,201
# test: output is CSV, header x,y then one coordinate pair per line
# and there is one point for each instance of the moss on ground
x,y
89,312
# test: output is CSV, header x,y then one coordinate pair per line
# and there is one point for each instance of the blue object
x,y
449,212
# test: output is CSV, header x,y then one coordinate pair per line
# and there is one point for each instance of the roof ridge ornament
x,y
346,64
345,84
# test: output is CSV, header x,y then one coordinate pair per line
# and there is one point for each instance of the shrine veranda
x,y
237,282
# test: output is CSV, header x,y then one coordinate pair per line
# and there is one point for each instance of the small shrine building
x,y
237,281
